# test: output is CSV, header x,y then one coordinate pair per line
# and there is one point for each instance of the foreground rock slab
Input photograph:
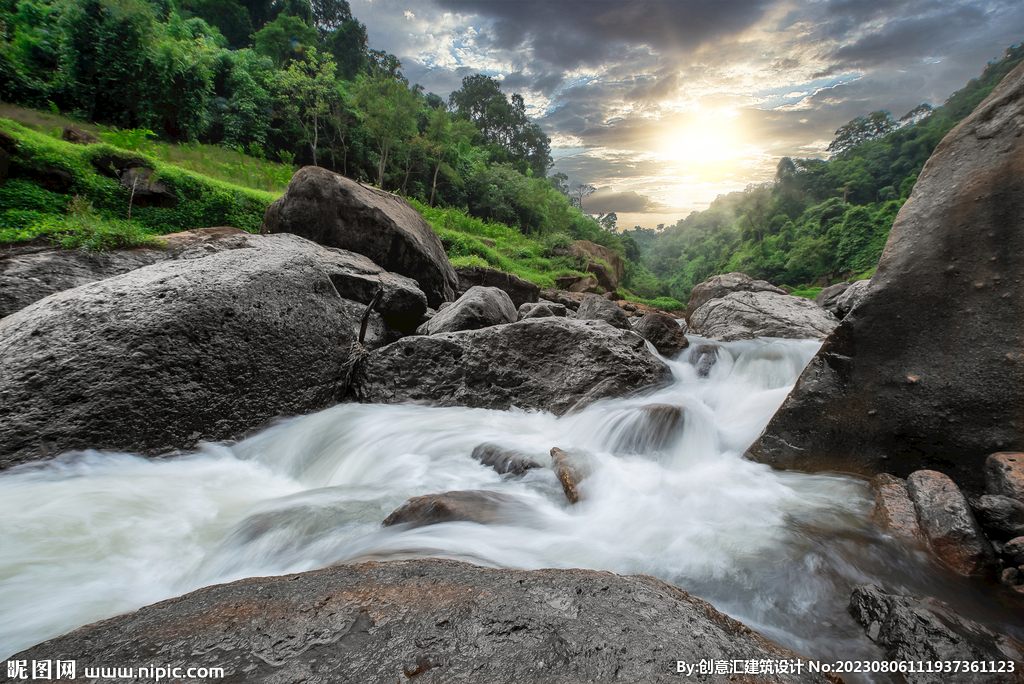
x,y
880,394
551,364
746,315
927,630
432,620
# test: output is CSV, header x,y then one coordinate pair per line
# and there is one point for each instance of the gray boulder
x,y
853,296
503,461
828,297
1001,517
880,394
746,315
541,310
917,630
208,348
332,210
434,620
717,287
519,291
664,332
948,524
480,307
597,308
552,364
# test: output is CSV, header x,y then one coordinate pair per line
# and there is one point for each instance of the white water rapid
x,y
91,535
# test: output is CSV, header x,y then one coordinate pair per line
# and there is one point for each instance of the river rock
x,y
853,296
894,512
596,308
1001,517
916,630
717,287
480,307
882,393
1004,475
948,524
519,291
1013,551
541,310
485,508
431,619
703,358
746,315
664,332
571,467
550,364
166,355
828,297
650,428
337,212
503,460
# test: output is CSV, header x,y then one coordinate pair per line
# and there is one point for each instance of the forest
x,y
297,82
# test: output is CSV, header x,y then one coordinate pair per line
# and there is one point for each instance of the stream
x,y
90,535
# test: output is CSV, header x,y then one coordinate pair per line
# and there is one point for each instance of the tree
x,y
583,190
608,221
285,39
444,136
388,108
309,85
330,15
872,127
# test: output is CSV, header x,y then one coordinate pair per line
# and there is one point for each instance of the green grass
x,y
663,303
807,292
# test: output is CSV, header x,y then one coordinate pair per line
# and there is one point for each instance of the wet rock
x,y
853,296
1001,517
916,630
519,291
541,310
166,355
571,467
480,307
594,308
432,619
828,297
1013,551
948,524
552,364
1004,475
746,315
947,293
652,428
703,358
73,134
717,287
894,512
485,508
664,332
332,210
503,460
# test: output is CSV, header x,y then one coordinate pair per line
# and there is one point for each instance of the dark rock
x,y
438,620
1011,577
948,524
651,428
551,364
664,332
485,508
1001,517
604,279
947,294
1004,475
853,296
746,315
828,297
337,212
612,296
147,190
717,287
703,358
591,251
52,178
73,134
571,467
594,308
916,630
894,512
480,307
503,460
166,355
1013,551
113,166
519,291
588,284
541,310
560,297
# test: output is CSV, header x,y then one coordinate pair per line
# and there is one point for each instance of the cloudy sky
x,y
665,104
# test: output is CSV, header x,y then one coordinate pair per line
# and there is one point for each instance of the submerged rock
x,y
880,394
503,461
551,364
703,358
948,524
485,508
746,315
432,619
651,428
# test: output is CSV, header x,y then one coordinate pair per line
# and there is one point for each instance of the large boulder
x,y
746,315
480,307
914,630
432,619
519,291
596,308
717,287
337,212
593,252
928,370
948,523
207,348
551,364
664,332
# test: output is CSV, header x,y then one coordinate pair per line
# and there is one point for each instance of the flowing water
x,y
90,535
